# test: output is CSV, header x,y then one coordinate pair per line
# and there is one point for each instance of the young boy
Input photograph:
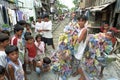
x,y
14,65
4,41
2,73
47,32
81,41
17,41
43,65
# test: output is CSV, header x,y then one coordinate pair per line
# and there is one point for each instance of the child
x,y
81,41
17,41
14,65
40,46
28,29
31,49
47,32
2,73
4,41
43,65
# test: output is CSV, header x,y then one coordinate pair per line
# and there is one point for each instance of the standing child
x,y
31,49
47,32
40,46
81,41
14,65
4,41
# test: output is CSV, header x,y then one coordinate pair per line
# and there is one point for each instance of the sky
x,y
68,3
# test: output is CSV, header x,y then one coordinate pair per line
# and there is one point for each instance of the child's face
x,y
38,39
81,23
13,56
19,33
30,41
5,43
46,19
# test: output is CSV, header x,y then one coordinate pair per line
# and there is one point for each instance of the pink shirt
x,y
40,47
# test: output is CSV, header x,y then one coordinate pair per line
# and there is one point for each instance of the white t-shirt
x,y
47,26
39,26
3,61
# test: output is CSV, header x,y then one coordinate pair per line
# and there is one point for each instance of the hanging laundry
x,y
19,15
12,16
4,14
1,16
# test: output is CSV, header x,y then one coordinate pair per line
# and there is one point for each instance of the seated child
x,y
2,73
43,65
14,65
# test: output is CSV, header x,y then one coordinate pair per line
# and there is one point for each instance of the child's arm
x,y
82,36
11,72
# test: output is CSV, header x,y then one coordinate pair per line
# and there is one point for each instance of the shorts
x,y
37,69
30,58
48,41
39,56
76,64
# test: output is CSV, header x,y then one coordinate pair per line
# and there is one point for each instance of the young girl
x,y
40,46
14,65
31,49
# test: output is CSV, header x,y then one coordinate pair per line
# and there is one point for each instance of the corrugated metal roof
x,y
101,7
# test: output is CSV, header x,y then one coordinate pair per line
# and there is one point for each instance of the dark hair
x,y
2,70
46,60
6,32
39,17
105,22
17,28
46,16
84,18
26,34
10,48
37,36
3,37
28,37
28,24
21,22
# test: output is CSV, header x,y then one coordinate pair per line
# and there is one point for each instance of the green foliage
x,y
5,26
60,6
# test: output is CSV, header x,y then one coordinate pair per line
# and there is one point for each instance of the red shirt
x,y
111,28
31,50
